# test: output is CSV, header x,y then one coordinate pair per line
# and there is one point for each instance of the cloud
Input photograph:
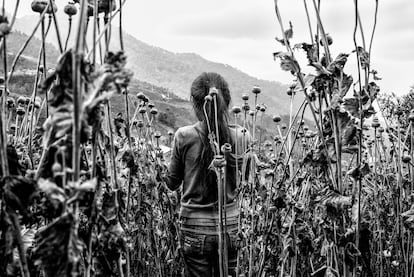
x,y
241,32
235,21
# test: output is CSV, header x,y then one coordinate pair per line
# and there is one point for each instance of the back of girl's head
x,y
200,89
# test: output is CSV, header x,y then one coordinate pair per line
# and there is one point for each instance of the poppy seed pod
x,y
258,107
4,28
375,122
218,161
170,133
256,90
140,124
328,38
142,110
245,97
21,100
39,6
262,109
11,103
208,98
251,113
226,148
70,9
213,92
284,126
406,158
140,96
151,105
277,118
20,111
157,135
13,127
38,102
90,10
56,167
154,111
236,109
106,6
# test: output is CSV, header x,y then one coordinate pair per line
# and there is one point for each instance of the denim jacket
x,y
185,169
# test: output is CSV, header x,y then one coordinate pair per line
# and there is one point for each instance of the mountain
x,y
30,55
174,111
176,71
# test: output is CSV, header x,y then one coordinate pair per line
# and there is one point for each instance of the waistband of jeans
x,y
207,221
208,230
193,211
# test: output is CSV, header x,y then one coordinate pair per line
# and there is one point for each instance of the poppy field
x,y
327,192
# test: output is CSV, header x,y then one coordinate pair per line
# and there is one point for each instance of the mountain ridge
x,y
176,71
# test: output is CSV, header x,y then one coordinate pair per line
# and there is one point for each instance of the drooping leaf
x,y
311,51
58,249
363,57
320,69
308,80
287,62
352,106
339,63
373,90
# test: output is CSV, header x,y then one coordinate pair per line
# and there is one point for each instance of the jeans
x,y
199,242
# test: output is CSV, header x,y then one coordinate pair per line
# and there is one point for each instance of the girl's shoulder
x,y
189,131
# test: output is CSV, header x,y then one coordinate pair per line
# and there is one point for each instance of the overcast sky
x,y
241,32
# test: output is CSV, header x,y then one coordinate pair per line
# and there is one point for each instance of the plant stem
x,y
3,116
309,22
69,31
59,40
44,62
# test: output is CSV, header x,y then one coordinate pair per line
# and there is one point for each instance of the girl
x,y
192,155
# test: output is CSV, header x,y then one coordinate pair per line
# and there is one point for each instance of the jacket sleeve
x,y
176,168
